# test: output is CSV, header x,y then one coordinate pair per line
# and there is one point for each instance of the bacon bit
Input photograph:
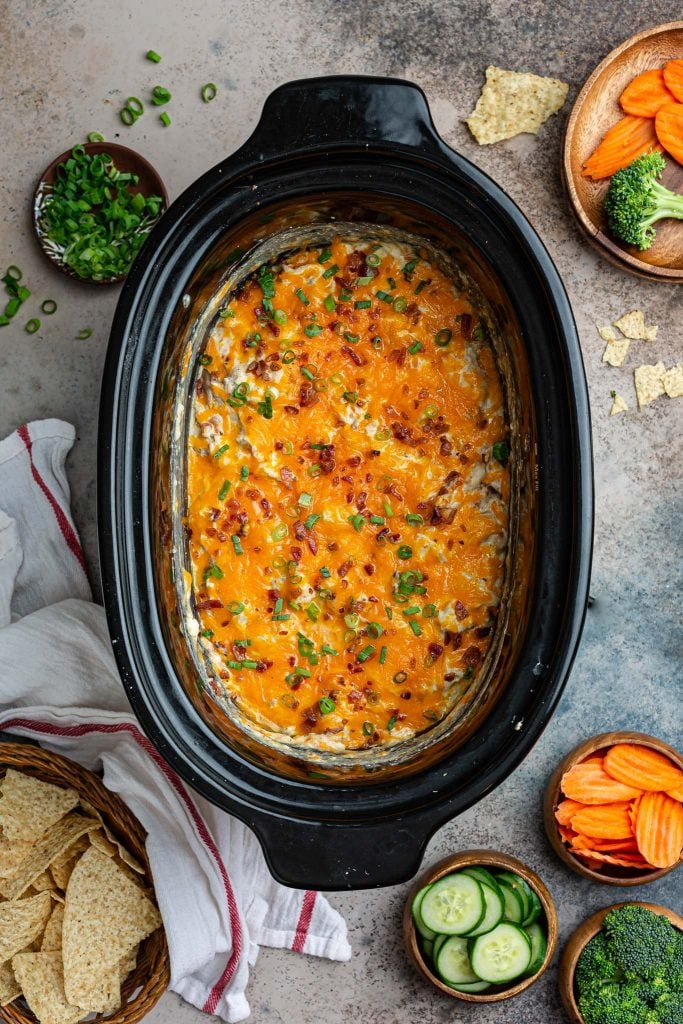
x,y
199,386
213,514
472,656
442,516
291,410
403,433
253,494
356,263
398,356
445,447
208,603
210,532
355,357
361,500
354,460
299,531
258,367
435,650
274,357
369,568
482,424
466,325
296,554
327,460
406,695
312,543
344,568
307,395
383,534
460,611
287,476
457,641
265,505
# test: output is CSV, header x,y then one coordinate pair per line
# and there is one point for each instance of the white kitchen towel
x,y
59,686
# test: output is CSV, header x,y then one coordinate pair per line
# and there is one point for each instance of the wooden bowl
x,y
583,934
145,985
487,859
125,159
596,109
609,874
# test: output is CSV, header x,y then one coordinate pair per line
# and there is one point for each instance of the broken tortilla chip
x,y
606,333
9,989
512,102
12,852
618,404
673,381
28,806
62,873
632,325
52,936
106,915
649,381
616,351
57,838
42,984
21,922
112,841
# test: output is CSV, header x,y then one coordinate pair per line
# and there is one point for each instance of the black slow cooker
x,y
330,151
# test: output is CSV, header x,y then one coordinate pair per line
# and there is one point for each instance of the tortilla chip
x,y
673,381
43,883
52,936
128,963
57,838
62,873
9,989
618,404
12,852
28,806
651,332
606,333
632,325
105,917
42,983
21,922
615,351
649,382
123,853
512,102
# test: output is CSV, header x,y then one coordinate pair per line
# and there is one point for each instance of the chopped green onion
x,y
417,346
331,271
153,56
325,649
281,618
389,612
244,472
368,728
287,447
237,544
225,313
429,611
388,510
374,629
315,469
325,255
313,611
280,317
14,272
84,334
239,395
391,723
288,356
326,705
357,522
363,304
307,373
345,295
127,117
366,653
311,521
415,627
377,520
165,119
49,306
392,283
305,499
136,105
278,606
404,552
383,655
351,620
350,396
365,280
443,337
215,571
32,325
373,260
409,267
501,452
95,137
204,360
384,296
219,451
265,408
329,303
414,518
376,343
400,304
352,338
324,571
420,286
336,378
235,607
413,610
208,92
160,95
400,677
301,295
208,633
223,493
310,330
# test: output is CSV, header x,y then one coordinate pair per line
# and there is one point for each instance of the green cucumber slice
x,y
517,883
454,905
512,901
502,954
535,911
438,943
539,945
422,928
482,875
453,962
428,948
475,986
493,913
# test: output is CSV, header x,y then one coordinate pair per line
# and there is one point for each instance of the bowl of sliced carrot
x,y
613,809
623,155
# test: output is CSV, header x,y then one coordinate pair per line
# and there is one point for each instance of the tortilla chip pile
x,y
73,909
512,102
624,808
651,380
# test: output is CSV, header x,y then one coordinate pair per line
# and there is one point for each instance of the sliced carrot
x,y
659,829
608,821
581,842
633,812
589,783
669,129
622,860
626,140
673,78
589,860
676,793
642,767
567,833
565,810
646,94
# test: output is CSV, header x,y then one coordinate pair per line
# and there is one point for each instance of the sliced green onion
x,y
278,606
307,373
420,286
373,260
366,653
388,611
501,452
377,520
326,705
336,378
351,620
315,469
415,627
84,334
311,520
350,396
235,607
208,633
324,571
352,338
383,655
165,119
329,303
95,137
153,56
374,629
208,92
431,410
301,295
237,544
265,408
409,267
391,723
325,649
400,677
345,295
404,552
388,510
32,325
313,611
287,447
14,272
363,304
414,518
368,728
219,451
413,610
305,499
288,356
400,304
127,117
443,337
49,306
160,96
384,296
310,330
135,104
417,346
223,493
429,611
331,271
357,522
325,255
365,280
215,571
279,316
244,472
205,360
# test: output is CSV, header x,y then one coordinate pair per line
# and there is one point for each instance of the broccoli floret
x,y
614,1004
669,1008
595,965
670,973
639,941
635,200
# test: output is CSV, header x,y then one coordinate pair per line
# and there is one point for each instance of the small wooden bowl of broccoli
x,y
624,965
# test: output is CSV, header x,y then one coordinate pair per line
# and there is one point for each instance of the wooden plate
x,y
609,874
583,934
486,859
596,109
126,160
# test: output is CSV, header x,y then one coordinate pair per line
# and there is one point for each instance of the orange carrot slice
x,y
659,829
676,793
589,860
608,821
622,860
589,783
642,767
565,810
626,140
646,94
673,78
669,129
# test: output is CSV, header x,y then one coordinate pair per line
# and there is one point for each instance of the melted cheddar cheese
x,y
347,496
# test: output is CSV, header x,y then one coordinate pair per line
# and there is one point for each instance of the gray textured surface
x,y
64,70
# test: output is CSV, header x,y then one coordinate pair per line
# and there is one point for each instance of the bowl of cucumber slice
x,y
481,926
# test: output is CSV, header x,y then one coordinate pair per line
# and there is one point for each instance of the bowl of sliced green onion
x,y
94,207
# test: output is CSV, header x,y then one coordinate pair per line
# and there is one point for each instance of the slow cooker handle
x,y
343,111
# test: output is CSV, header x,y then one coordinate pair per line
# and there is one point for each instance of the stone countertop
x,y
66,68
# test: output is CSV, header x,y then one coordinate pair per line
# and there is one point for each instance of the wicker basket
x,y
147,983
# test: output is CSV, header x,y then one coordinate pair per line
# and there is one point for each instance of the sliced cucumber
x,y
539,945
453,962
493,914
454,905
422,928
482,875
475,986
502,954
428,948
535,911
438,943
520,887
512,901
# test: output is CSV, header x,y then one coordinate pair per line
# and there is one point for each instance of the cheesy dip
x,y
348,496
